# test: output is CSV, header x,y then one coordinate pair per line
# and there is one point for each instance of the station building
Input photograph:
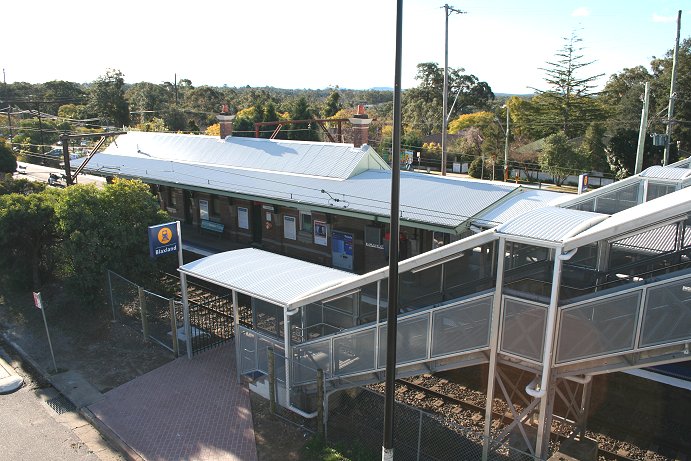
x,y
321,202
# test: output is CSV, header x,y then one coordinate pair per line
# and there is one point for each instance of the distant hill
x,y
508,95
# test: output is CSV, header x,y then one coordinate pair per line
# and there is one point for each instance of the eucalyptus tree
x,y
106,98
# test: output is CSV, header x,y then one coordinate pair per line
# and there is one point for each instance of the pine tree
x,y
568,103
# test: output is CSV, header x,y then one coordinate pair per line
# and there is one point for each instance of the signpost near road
x,y
39,304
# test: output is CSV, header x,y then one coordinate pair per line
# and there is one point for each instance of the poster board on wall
x,y
243,218
289,228
320,233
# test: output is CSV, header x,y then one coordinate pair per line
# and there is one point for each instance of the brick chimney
x,y
226,121
360,121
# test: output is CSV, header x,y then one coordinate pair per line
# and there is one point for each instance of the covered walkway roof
x,y
273,278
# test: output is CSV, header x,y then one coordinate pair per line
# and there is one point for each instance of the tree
x,y
27,235
148,100
621,153
559,158
592,149
107,99
61,92
73,112
623,93
662,73
8,162
202,104
302,131
478,119
568,102
332,104
107,229
422,104
9,185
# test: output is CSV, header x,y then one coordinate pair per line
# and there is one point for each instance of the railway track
x,y
465,406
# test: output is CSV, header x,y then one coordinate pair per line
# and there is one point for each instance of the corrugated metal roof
x,y
271,277
643,215
551,224
330,160
666,172
446,202
520,203
658,240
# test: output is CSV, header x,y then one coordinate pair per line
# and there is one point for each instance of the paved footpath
x,y
32,429
185,410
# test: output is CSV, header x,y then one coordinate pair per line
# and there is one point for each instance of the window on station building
x,y
171,198
373,236
306,221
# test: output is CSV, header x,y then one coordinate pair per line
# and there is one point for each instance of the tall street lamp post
x,y
445,122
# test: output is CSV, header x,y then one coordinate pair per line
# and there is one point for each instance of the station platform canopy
x,y
273,278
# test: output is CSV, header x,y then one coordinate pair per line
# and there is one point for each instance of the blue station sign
x,y
163,239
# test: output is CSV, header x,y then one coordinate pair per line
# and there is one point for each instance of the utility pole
x,y
642,131
40,127
175,88
445,122
672,93
9,108
506,146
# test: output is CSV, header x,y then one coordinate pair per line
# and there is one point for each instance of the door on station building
x,y
257,223
188,197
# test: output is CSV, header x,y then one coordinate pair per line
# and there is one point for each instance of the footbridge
x,y
558,293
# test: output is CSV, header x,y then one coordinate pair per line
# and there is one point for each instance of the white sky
x,y
322,43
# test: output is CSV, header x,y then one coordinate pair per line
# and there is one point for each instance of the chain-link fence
x,y
355,422
354,415
156,317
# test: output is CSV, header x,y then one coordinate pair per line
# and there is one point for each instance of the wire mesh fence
x,y
354,415
156,317
355,422
160,318
124,300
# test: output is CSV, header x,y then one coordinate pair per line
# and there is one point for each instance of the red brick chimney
x,y
226,121
360,121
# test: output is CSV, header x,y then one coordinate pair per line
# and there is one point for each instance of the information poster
x,y
289,229
320,231
342,250
243,218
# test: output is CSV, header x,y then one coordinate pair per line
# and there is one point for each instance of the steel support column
x,y
494,346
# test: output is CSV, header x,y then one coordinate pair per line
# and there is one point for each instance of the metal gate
x,y
211,319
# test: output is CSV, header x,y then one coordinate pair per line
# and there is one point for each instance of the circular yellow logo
x,y
164,235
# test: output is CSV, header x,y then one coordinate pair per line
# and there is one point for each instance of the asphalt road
x,y
40,173
31,430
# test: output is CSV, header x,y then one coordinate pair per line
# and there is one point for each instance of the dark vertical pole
x,y
66,158
394,239
175,88
672,94
40,127
9,108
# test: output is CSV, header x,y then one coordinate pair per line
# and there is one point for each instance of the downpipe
x,y
535,389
